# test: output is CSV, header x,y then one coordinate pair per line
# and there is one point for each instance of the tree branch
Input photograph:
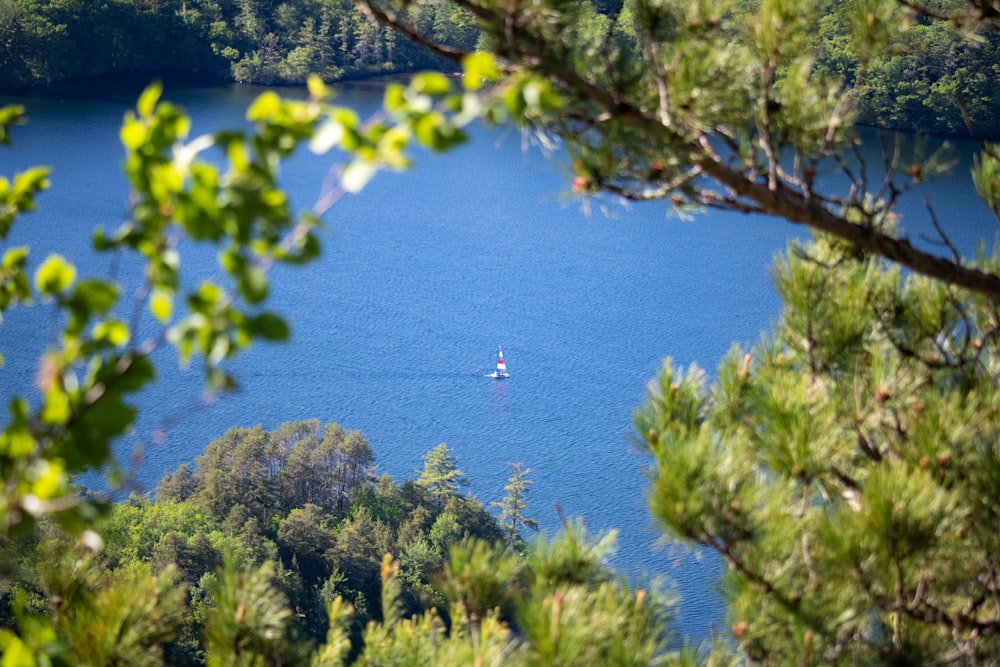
x,y
391,19
777,198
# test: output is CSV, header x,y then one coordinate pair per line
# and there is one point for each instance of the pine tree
x,y
514,504
845,468
441,476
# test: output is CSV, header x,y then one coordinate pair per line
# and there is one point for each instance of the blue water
x,y
422,276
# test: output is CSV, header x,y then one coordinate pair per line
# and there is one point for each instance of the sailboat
x,y
501,371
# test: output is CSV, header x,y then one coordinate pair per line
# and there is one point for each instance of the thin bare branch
x,y
392,19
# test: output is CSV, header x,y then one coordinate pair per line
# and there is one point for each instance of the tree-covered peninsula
x,y
302,501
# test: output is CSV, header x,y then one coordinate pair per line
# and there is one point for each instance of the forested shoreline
x,y
248,41
276,42
303,500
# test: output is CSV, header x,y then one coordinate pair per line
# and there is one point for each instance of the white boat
x,y
501,371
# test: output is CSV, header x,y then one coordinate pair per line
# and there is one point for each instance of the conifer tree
x,y
441,476
514,504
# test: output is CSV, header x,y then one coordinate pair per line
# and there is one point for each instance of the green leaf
x,y
98,295
20,196
16,440
15,652
108,416
89,444
15,258
138,374
392,145
133,134
148,99
431,83
479,69
232,261
514,102
395,97
112,331
269,326
208,293
317,89
90,297
32,180
265,106
55,275
48,480
253,285
56,409
435,132
161,305
9,115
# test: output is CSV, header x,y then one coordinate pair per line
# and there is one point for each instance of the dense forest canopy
x,y
302,499
922,86
251,41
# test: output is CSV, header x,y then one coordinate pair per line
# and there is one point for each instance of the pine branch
x,y
391,19
775,196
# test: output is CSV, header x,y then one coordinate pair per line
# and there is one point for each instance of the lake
x,y
423,274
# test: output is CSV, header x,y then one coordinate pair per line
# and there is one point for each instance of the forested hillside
x,y
250,41
302,500
922,86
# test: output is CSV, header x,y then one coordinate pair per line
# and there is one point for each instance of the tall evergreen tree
x,y
441,475
514,505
